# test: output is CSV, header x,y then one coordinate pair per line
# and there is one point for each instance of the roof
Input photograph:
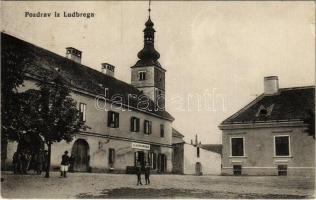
x,y
37,60
288,104
217,148
177,137
176,133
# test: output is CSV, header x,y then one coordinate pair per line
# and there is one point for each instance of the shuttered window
x,y
82,110
134,124
113,119
147,127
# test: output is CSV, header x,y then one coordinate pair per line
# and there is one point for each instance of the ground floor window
x,y
237,146
111,157
282,145
237,169
282,170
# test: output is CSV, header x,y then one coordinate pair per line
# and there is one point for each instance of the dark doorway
x,y
198,169
162,163
80,151
140,157
237,169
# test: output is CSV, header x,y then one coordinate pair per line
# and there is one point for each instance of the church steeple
x,y
148,55
147,74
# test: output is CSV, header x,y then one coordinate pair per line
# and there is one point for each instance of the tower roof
x,y
148,56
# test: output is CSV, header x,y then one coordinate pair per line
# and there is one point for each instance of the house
x,y
268,136
194,158
119,135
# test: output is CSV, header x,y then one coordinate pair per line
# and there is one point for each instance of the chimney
x,y
271,85
73,54
107,69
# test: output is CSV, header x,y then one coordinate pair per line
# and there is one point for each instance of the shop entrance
x,y
140,157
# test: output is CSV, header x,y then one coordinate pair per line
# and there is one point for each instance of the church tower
x,y
147,74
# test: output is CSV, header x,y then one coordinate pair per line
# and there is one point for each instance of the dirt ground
x,y
89,185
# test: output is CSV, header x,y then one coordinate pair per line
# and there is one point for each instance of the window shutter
x,y
145,126
132,124
109,118
113,156
117,120
137,125
149,127
154,160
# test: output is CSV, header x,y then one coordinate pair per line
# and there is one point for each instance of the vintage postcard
x,y
158,99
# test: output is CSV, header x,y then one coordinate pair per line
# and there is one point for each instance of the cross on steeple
x,y
149,8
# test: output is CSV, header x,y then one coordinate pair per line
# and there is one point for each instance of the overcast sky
x,y
218,51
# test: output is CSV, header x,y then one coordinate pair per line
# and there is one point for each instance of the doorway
x,y
162,163
80,151
198,169
140,157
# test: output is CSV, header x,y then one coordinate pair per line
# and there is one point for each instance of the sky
x,y
216,53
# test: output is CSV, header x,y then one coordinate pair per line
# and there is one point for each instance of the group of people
x,y
139,172
25,160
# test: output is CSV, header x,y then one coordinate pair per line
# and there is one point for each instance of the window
x,y
82,110
282,170
111,156
153,160
237,146
237,169
147,127
142,76
162,130
134,124
113,119
282,145
198,152
106,92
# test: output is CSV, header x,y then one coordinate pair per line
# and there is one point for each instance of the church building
x,y
119,136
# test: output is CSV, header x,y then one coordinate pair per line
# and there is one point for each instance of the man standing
x,y
147,173
64,165
138,173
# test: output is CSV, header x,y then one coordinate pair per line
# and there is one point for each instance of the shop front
x,y
145,153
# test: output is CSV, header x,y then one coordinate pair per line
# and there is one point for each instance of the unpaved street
x,y
89,185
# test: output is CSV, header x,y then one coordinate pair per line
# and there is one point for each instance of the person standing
x,y
138,173
64,165
147,173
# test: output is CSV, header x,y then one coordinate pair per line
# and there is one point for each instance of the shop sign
x,y
140,146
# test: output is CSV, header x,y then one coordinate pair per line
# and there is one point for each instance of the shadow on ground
x,y
146,193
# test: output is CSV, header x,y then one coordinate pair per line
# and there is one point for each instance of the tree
x,y
310,121
57,115
12,76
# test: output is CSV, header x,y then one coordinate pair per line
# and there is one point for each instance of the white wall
x,y
210,161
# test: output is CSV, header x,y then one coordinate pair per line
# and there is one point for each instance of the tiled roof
x,y
176,133
177,137
38,60
287,104
217,148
